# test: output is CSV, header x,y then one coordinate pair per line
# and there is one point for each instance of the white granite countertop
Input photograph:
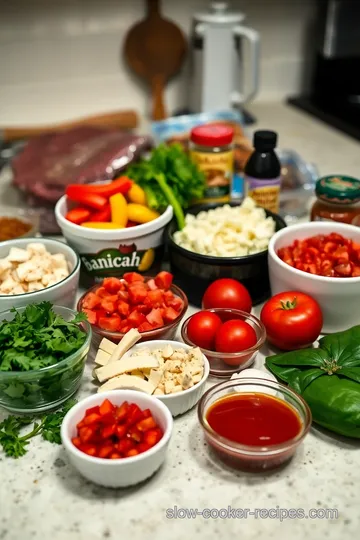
x,y
42,497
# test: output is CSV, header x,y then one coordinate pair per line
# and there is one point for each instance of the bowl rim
x,y
249,449
48,241
34,372
112,234
178,344
260,342
342,227
215,259
148,333
91,401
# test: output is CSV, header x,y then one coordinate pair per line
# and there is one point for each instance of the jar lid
x,y
212,135
338,189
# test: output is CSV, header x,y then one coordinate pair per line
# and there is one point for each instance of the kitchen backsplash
x,y
62,58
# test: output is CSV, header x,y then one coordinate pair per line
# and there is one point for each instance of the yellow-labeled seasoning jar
x,y
211,149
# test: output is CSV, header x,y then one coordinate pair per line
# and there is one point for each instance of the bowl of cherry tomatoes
x,y
229,338
152,305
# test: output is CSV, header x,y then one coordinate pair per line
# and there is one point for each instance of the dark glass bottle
x,y
262,171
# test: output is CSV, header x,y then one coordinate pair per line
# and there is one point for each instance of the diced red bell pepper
x,y
89,449
78,215
91,419
106,407
133,452
92,410
132,277
115,455
108,431
143,447
105,450
121,431
76,441
146,413
135,434
134,414
91,200
124,445
85,433
152,436
164,280
121,412
112,324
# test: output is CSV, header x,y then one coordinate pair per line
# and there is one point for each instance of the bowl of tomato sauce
x,y
321,259
253,430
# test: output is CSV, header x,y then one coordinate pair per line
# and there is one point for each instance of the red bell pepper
x,y
78,215
120,185
92,200
101,215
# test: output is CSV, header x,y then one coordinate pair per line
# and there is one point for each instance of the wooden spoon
x,y
155,49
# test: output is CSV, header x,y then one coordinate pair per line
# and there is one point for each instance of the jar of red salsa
x,y
338,199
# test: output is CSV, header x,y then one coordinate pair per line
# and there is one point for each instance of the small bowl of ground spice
x,y
17,223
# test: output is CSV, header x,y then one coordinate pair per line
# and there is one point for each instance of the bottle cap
x,y
338,189
212,135
265,140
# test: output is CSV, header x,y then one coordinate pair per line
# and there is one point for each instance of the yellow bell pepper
x,y
119,209
140,213
101,225
136,194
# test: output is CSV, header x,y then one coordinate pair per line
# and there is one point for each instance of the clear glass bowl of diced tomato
x,y
152,305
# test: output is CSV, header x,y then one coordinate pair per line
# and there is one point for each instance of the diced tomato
x,y
105,450
85,433
123,295
110,303
112,324
155,297
152,285
89,449
135,319
125,445
155,318
125,328
143,308
134,414
164,280
146,423
91,419
90,314
112,285
123,308
106,407
145,327
130,277
121,431
108,431
115,455
152,436
80,424
344,270
101,292
137,294
170,314
143,447
132,452
91,300
76,441
356,271
135,434
176,304
121,412
146,413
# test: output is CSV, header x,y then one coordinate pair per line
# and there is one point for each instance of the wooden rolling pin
x,y
119,119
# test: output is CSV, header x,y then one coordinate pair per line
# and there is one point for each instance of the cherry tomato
x,y
235,336
292,319
202,329
227,293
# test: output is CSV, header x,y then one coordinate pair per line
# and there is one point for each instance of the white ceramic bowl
x,y
104,252
62,293
339,298
183,401
117,473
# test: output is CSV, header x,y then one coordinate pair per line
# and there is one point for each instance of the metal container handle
x,y
254,40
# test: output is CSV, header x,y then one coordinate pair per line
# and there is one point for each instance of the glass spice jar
x,y
211,148
338,199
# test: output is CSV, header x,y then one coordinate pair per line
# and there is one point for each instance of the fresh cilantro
x,y
48,426
38,337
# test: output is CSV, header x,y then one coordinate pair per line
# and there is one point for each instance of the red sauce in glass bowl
x,y
254,419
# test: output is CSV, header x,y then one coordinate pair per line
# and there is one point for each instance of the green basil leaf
x,y
343,347
302,359
350,373
300,381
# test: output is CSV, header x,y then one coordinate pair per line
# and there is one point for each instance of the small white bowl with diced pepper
x,y
172,371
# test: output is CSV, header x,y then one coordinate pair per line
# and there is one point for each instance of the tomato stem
x,y
289,305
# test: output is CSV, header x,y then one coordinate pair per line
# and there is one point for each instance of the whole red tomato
x,y
235,336
227,293
202,329
292,319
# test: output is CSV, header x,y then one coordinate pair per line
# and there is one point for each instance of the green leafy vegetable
x,y
328,378
169,177
37,338
48,426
